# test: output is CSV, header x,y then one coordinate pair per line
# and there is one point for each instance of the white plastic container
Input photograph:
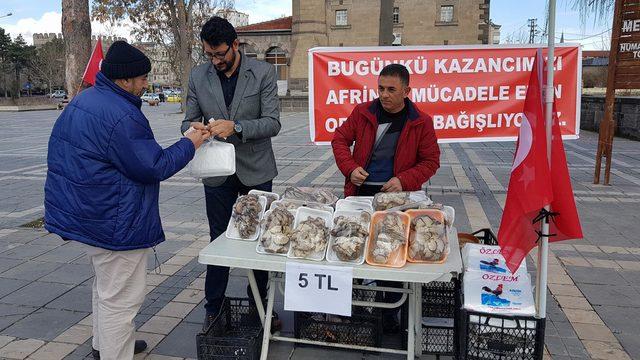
x,y
259,248
213,158
402,200
351,205
331,254
449,214
368,199
303,214
271,196
232,231
294,205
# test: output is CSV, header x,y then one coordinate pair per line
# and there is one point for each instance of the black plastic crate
x,y
363,327
440,304
440,299
500,337
486,237
438,340
235,334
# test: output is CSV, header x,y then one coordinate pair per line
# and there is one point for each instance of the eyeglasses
x,y
218,56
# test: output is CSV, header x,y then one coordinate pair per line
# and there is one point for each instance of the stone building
x,y
236,18
41,39
314,23
161,75
269,41
494,34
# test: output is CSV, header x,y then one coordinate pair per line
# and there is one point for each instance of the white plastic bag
x,y
213,158
498,294
487,258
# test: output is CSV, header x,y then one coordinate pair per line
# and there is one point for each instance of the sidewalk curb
x,y
28,108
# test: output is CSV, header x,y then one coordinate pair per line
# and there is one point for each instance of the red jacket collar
x,y
374,107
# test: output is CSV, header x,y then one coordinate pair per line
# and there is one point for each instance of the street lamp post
x,y
6,15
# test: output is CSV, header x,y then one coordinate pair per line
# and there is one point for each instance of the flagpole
x,y
543,246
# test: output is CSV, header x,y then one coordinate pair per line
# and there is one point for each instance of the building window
x,y
278,58
446,13
446,42
341,18
397,39
248,50
396,15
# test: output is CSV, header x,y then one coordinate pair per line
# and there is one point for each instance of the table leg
x,y
411,325
418,323
256,294
267,320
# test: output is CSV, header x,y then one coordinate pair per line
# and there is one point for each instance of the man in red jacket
x,y
395,144
395,150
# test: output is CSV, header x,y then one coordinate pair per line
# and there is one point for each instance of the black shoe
x,y
208,320
139,347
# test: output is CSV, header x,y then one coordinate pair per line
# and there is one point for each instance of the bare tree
x,y
517,37
76,30
172,24
48,64
600,9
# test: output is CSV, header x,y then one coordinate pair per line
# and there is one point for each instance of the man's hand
x,y
358,176
393,185
198,125
221,128
198,137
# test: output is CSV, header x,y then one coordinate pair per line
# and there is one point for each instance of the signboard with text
x,y
318,288
628,57
473,93
623,73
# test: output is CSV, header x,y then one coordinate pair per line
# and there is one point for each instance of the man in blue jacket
x,y
102,188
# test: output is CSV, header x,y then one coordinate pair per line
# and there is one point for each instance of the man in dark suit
x,y
237,98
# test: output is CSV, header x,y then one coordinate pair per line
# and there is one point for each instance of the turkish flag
x,y
530,183
566,224
93,66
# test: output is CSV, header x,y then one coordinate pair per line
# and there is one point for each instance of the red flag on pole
x,y
566,224
530,183
93,66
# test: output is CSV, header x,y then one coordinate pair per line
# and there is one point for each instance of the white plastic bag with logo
x,y
498,293
487,258
213,158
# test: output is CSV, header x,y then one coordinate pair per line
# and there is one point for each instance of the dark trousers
x,y
220,200
388,297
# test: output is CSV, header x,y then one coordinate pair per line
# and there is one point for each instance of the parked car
x,y
58,94
174,98
150,97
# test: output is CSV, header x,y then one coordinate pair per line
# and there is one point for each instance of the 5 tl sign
x,y
318,288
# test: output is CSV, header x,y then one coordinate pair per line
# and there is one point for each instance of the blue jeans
x,y
220,200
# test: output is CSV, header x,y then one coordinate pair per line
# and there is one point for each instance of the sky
x,y
34,16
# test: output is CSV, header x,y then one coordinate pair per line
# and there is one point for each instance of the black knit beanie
x,y
124,61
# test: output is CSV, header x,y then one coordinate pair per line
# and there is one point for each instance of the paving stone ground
x,y
594,284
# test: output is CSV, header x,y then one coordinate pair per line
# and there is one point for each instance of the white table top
x,y
242,254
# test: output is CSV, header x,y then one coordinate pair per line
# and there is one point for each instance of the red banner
x,y
473,93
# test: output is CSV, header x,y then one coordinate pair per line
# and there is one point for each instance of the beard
x,y
227,64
